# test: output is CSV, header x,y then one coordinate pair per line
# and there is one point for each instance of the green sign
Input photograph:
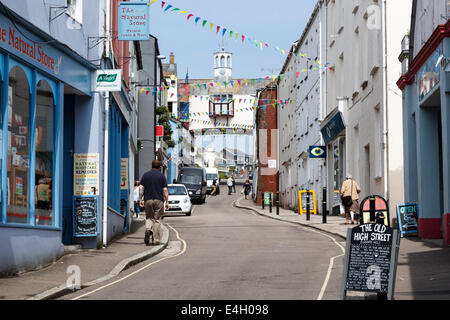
x,y
106,77
108,80
268,196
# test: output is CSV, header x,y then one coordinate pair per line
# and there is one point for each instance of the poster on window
x,y
86,174
124,174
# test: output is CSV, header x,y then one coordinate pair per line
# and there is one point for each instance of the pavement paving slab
x,y
95,266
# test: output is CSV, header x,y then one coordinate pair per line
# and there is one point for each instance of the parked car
x,y
211,174
195,181
179,200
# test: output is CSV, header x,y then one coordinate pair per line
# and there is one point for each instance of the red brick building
x,y
267,142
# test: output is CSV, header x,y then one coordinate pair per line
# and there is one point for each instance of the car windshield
x,y
191,179
211,176
177,191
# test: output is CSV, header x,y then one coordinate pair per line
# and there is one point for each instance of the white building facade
x,y
309,104
288,133
363,125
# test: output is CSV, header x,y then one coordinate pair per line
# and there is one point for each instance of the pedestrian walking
x,y
230,185
349,197
234,183
153,193
247,188
137,198
214,187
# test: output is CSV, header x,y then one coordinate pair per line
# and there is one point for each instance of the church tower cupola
x,y
223,66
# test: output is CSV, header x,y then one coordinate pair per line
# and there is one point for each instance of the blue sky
x,y
278,23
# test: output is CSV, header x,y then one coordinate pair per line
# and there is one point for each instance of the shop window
x,y
44,155
18,157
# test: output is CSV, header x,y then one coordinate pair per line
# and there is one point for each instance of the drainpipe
x,y
385,102
106,133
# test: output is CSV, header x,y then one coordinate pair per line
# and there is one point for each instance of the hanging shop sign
x,y
317,152
107,80
333,128
134,21
86,174
407,215
371,257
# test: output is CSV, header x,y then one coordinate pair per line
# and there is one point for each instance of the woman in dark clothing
x,y
247,188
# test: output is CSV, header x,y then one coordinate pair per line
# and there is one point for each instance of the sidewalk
x,y
335,224
95,267
423,268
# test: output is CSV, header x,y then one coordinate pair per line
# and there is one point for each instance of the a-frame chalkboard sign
x,y
371,259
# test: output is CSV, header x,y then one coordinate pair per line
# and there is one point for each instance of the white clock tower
x,y
223,66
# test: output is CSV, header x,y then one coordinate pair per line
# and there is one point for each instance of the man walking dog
x,y
153,193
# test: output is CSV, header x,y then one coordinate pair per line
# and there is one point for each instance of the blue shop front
x,y
41,82
426,122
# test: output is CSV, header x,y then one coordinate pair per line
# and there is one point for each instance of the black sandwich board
x,y
371,259
85,216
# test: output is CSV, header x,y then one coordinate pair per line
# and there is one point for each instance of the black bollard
x,y
308,217
270,204
278,203
324,205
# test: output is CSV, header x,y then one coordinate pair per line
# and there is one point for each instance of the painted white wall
x,y
355,45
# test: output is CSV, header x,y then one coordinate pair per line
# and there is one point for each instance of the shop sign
x,y
371,257
85,216
317,152
407,215
429,75
159,131
108,80
134,21
47,58
333,128
303,202
124,174
86,174
268,198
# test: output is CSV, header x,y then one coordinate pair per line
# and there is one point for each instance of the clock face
x,y
222,72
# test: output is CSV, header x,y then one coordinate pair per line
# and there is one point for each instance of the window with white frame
x,y
75,10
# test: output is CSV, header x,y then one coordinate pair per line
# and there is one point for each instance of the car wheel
x,y
189,213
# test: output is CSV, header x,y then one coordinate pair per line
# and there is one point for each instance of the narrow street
x,y
231,254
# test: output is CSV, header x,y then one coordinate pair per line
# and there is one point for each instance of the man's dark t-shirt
x,y
153,182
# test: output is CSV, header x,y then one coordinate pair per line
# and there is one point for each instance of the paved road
x,y
225,253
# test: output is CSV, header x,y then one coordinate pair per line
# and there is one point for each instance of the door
x,y
67,235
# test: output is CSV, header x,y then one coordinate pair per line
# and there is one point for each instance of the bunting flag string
x,y
257,43
233,83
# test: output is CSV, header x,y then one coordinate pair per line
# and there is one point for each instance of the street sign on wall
x,y
134,21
